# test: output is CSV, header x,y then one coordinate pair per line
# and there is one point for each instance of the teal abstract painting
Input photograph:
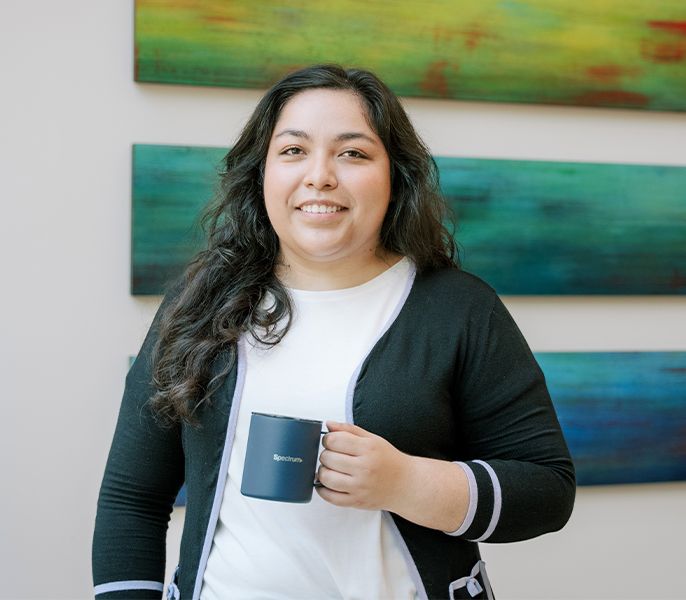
x,y
171,184
526,227
542,227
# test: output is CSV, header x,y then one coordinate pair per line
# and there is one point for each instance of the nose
x,y
320,173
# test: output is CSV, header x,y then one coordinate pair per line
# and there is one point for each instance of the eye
x,y
292,151
354,154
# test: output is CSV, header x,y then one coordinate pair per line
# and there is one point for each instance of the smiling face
x,y
327,181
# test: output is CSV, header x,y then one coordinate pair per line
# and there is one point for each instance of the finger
x,y
349,427
333,497
338,482
344,443
336,461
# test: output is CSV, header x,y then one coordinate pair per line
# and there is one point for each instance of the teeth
x,y
320,208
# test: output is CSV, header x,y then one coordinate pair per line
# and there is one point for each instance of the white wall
x,y
69,112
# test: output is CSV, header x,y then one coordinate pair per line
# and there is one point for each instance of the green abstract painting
x,y
526,227
615,53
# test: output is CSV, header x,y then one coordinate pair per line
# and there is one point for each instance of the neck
x,y
303,274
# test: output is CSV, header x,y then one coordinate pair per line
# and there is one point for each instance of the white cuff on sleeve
x,y
473,501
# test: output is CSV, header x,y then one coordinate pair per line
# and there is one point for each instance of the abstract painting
x,y
526,227
171,184
623,413
542,227
609,53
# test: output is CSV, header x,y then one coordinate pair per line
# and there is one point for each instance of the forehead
x,y
324,110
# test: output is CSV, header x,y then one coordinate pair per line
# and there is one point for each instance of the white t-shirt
x,y
264,549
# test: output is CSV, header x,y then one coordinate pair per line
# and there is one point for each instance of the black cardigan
x,y
452,378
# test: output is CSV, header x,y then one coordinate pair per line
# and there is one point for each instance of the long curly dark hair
x,y
220,297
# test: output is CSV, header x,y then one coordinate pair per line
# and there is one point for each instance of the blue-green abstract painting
x,y
623,413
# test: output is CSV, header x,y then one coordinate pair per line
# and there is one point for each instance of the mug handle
x,y
318,483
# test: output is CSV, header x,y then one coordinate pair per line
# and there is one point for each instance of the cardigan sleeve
x,y
521,476
144,472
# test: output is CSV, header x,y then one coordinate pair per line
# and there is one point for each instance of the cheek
x,y
277,191
270,188
270,184
375,192
276,214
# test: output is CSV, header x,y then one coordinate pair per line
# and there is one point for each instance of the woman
x,y
330,290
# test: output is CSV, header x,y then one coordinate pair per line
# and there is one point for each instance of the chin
x,y
323,252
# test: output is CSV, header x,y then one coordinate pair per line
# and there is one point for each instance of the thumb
x,y
349,427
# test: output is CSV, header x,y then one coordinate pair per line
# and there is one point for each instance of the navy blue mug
x,y
281,458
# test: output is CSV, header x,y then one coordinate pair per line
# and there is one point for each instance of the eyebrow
x,y
341,137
